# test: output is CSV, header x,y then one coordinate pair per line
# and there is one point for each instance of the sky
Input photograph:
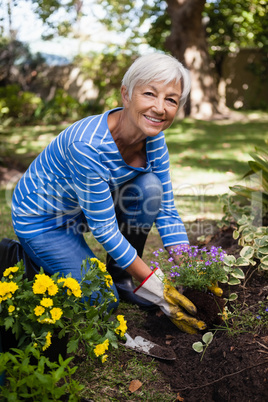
x,y
29,29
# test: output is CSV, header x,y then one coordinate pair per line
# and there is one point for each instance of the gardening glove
x,y
160,292
215,289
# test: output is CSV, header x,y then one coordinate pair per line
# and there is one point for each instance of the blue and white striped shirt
x,y
77,172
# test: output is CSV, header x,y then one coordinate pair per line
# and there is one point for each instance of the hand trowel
x,y
142,345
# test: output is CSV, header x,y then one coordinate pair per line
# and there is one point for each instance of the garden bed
x,y
234,367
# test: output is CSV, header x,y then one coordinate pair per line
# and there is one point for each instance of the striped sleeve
x,y
90,180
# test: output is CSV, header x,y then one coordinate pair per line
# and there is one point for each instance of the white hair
x,y
157,67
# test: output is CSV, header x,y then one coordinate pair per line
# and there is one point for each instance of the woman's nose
x,y
158,106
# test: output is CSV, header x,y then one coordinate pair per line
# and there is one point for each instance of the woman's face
x,y
153,106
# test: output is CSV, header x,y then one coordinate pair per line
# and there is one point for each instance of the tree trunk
x,y
187,42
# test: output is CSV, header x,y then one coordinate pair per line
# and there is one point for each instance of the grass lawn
x,y
206,158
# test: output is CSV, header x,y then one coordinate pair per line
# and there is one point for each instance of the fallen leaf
x,y
264,339
179,398
134,385
170,337
231,348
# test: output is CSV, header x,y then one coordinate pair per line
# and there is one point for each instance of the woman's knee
x,y
150,185
152,191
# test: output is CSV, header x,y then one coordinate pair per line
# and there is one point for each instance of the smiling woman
x,y
110,173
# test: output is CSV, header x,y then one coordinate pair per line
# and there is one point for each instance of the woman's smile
x,y
153,119
152,107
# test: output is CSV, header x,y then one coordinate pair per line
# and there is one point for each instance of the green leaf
x,y
263,267
247,252
72,345
249,237
9,321
235,234
224,280
238,273
264,260
263,250
261,241
242,262
207,337
232,296
198,347
233,281
229,260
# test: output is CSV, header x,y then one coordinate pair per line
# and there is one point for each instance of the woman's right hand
x,y
156,290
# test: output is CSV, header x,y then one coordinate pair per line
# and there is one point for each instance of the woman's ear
x,y
124,95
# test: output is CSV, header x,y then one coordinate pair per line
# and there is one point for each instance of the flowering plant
x,y
198,268
35,311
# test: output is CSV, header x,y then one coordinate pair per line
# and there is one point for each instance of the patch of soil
x,y
233,368
209,307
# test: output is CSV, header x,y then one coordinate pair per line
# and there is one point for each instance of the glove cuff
x,y
143,282
152,288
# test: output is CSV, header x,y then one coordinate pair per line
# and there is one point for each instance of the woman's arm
x,y
139,270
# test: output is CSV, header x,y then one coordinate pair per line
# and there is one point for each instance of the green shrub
x,y
17,104
31,376
254,241
61,107
259,173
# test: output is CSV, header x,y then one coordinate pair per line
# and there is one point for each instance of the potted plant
x,y
196,272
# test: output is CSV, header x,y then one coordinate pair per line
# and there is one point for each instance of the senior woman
x,y
110,172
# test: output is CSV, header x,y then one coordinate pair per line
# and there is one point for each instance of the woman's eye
x,y
172,100
148,93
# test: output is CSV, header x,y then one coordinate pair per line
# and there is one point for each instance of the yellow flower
x,y
44,283
94,260
46,321
11,309
10,270
108,280
48,341
72,285
46,302
101,348
122,327
52,289
39,310
100,264
56,313
104,358
224,315
7,289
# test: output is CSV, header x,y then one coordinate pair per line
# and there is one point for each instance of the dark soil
x,y
233,368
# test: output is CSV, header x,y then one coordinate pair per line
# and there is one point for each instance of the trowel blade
x,y
142,345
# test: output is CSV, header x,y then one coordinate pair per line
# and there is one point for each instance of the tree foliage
x,y
229,23
234,24
57,16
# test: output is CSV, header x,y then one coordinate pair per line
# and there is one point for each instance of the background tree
x,y
195,31
192,30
